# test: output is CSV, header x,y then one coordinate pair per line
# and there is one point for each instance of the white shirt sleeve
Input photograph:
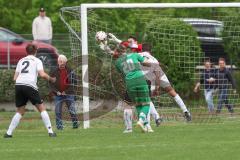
x,y
39,65
34,29
50,29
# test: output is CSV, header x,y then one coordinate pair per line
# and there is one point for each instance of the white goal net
x,y
183,37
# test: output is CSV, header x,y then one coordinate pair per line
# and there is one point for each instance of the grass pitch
x,y
171,141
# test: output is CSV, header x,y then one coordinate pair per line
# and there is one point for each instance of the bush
x,y
7,86
231,34
176,45
7,89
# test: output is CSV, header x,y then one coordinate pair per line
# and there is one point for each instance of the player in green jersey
x,y
129,65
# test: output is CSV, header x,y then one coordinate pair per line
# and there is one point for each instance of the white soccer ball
x,y
101,36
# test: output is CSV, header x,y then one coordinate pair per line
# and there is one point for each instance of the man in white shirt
x,y
42,27
27,71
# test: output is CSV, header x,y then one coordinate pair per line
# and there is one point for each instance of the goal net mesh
x,y
181,39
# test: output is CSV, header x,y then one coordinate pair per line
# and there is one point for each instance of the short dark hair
x,y
31,49
133,37
207,60
222,59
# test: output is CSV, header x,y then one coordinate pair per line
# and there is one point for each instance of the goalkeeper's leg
x,y
143,114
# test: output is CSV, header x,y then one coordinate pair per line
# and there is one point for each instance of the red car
x,y
12,49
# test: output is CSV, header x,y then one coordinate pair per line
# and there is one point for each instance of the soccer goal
x,y
182,37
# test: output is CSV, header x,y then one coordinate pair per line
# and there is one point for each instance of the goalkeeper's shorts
x,y
137,90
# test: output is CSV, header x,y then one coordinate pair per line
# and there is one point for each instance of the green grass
x,y
171,141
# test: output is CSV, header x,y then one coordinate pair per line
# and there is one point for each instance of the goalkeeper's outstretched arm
x,y
103,46
113,38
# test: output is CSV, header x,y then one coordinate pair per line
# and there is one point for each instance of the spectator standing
x,y
224,79
207,79
63,90
42,27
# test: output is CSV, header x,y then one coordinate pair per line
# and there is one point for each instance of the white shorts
x,y
164,82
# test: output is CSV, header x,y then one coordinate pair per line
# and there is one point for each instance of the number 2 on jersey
x,y
25,68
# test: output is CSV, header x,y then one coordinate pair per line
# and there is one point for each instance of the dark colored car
x,y
209,34
12,49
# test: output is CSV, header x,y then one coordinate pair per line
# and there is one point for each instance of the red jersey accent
x,y
125,43
138,49
63,80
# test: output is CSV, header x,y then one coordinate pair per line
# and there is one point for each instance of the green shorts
x,y
137,90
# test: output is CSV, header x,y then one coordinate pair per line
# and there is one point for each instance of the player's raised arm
x,y
114,38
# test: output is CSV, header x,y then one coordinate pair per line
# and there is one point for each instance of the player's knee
x,y
171,91
168,89
40,107
21,110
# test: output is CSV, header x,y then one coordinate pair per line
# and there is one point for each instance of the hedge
x,y
7,86
175,45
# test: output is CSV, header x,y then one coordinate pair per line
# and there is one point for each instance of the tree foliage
x,y
231,34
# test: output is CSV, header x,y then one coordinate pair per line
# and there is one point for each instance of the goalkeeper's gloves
x,y
106,48
114,38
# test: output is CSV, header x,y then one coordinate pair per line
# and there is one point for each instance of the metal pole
x,y
160,5
86,122
8,54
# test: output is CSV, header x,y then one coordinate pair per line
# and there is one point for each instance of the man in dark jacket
x,y
207,79
63,90
224,80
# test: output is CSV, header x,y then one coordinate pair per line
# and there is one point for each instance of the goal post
x,y
84,31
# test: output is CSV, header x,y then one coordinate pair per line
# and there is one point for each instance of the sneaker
x,y
75,125
141,125
158,122
127,131
149,129
52,134
7,136
187,116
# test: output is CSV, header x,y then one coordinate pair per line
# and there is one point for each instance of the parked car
x,y
12,49
210,36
